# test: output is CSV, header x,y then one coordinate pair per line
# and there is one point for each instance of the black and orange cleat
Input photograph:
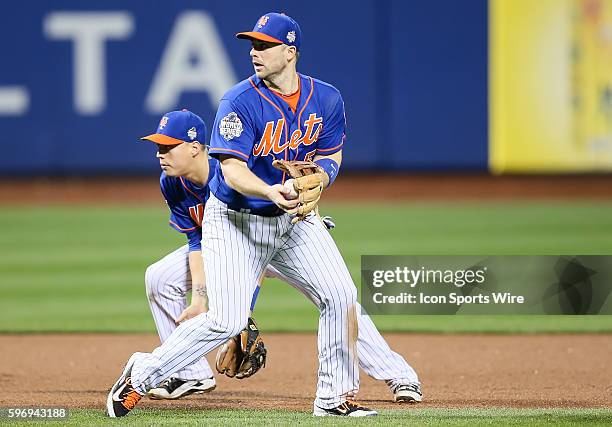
x,y
122,397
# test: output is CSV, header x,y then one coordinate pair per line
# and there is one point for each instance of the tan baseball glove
x,y
307,182
243,355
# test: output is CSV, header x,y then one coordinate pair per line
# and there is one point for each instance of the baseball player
x,y
184,184
249,224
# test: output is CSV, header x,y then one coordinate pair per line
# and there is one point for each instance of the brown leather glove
x,y
243,355
307,182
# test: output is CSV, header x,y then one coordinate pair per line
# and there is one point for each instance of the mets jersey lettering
x,y
270,141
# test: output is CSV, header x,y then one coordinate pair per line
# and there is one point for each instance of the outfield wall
x,y
81,81
445,85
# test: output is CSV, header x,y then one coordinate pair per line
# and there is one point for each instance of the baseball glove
x,y
307,182
243,355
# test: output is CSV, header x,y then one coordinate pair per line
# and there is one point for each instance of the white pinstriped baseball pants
x,y
236,248
168,281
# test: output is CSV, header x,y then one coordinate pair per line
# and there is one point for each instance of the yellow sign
x,y
550,92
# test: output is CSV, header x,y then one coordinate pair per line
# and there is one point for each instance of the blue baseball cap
x,y
275,28
177,127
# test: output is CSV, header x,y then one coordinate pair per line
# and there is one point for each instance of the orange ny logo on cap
x,y
262,21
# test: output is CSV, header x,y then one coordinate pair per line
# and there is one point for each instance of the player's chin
x,y
169,171
260,72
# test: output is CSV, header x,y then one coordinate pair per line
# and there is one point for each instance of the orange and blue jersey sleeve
x,y
180,219
232,132
332,137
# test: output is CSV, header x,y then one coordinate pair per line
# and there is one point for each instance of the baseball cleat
x,y
409,393
347,409
122,397
175,388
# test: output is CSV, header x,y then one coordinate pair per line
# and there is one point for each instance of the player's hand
x,y
278,194
190,312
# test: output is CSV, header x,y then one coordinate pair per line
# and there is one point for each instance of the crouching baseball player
x,y
184,185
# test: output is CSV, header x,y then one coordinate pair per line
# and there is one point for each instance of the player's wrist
x,y
198,292
330,167
270,191
199,303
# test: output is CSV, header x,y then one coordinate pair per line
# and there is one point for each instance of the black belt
x,y
267,211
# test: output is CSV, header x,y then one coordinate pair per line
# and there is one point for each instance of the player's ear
x,y
291,53
195,148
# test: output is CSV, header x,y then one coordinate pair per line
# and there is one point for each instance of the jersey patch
x,y
230,126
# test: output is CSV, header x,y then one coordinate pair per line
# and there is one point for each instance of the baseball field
x,y
73,306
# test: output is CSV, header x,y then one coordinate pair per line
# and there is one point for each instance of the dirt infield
x,y
349,187
543,371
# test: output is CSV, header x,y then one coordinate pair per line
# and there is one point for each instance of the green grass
x,y
81,269
454,417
